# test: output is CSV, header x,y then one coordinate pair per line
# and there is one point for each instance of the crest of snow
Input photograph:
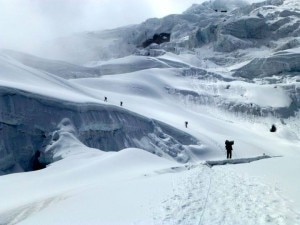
x,y
17,75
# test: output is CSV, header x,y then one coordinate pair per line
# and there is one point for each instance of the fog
x,y
24,24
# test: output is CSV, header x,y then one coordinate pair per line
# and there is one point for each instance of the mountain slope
x,y
270,24
34,103
230,71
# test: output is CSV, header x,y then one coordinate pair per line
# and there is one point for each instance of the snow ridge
x,y
235,161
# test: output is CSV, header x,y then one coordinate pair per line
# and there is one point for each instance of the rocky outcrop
x,y
157,39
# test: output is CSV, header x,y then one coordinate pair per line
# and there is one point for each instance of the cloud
x,y
17,22
24,24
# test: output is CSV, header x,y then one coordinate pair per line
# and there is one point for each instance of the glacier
x,y
29,123
230,69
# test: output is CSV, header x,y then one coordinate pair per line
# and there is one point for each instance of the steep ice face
x,y
30,123
279,63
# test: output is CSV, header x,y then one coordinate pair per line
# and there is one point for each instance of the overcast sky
x,y
24,23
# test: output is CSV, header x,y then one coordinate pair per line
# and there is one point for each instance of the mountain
x,y
221,70
272,24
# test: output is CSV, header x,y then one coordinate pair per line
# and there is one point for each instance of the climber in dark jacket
x,y
228,146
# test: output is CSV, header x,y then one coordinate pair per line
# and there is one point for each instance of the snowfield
x,y
136,187
231,76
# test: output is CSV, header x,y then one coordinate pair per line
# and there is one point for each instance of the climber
x,y
228,146
186,124
105,99
121,103
273,128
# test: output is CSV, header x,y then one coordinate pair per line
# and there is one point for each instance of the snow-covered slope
x,y
230,69
34,103
136,187
59,68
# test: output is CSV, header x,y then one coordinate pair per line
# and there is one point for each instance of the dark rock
x,y
157,39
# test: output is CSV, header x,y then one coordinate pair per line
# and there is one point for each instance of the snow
x,y
91,175
88,186
107,183
278,172
102,170
133,186
267,95
235,161
15,75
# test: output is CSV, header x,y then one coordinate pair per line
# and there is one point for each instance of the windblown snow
x,y
107,118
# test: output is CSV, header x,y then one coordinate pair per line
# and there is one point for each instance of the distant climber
x,y
121,103
228,146
105,99
273,128
186,124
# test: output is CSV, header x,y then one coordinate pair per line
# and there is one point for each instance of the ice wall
x,y
28,123
278,63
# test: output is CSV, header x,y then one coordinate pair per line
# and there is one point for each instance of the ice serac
x,y
233,33
226,26
279,63
247,27
29,123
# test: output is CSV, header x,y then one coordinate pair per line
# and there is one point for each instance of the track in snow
x,y
220,196
16,215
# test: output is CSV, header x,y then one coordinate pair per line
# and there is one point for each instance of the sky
x,y
27,23
23,23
